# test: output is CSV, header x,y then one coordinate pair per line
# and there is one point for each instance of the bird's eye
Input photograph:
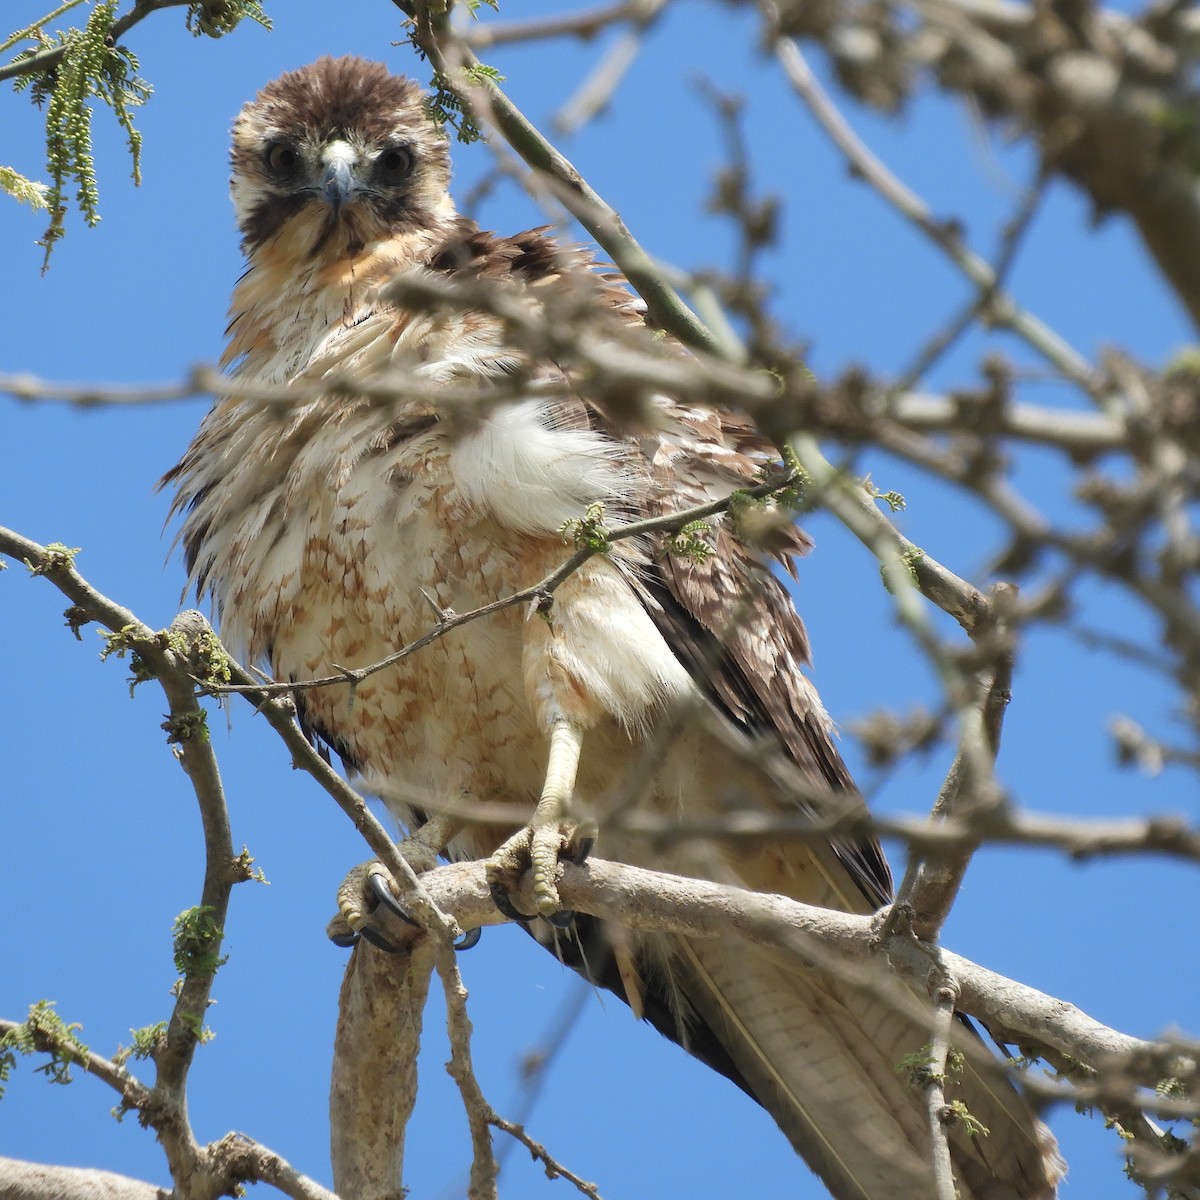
x,y
393,165
282,159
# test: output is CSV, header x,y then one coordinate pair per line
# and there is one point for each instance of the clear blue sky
x,y
101,838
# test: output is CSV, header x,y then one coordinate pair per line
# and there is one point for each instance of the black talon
x,y
346,940
502,900
469,940
563,919
379,941
383,895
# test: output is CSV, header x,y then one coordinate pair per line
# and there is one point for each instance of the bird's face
x,y
340,154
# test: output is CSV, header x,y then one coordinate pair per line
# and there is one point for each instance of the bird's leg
x,y
541,841
553,810
369,884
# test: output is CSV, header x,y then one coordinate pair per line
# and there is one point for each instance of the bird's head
x,y
338,154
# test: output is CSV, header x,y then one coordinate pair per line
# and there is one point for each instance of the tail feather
x,y
822,1056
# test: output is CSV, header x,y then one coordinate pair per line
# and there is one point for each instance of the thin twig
x,y
941,1023
457,65
931,883
535,1063
1003,309
597,89
21,34
585,25
1169,835
48,59
539,592
133,1092
980,304
480,1114
554,1169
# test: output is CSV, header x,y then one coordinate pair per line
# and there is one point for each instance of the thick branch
x,y
658,903
39,1181
374,1084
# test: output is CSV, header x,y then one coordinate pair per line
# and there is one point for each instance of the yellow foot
x,y
537,847
539,844
369,885
357,899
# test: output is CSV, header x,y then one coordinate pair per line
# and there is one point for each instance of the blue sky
x,y
101,833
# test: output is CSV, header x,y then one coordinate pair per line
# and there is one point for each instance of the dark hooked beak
x,y
338,186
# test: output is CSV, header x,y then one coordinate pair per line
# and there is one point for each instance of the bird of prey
x,y
394,457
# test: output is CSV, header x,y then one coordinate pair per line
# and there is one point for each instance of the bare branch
x,y
596,90
455,63
554,1169
660,903
480,1114
1079,433
39,1181
586,25
935,1093
374,1084
902,561
1002,310
979,307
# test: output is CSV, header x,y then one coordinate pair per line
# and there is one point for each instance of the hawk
x,y
328,513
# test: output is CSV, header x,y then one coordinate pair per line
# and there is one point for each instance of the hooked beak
x,y
338,185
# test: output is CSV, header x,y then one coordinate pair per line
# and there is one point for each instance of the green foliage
x,y
918,1066
446,106
1029,1056
692,542
197,939
207,659
958,1113
1184,366
43,1031
799,483
187,727
89,66
196,1027
57,557
146,1043
910,559
1115,1124
894,500
245,868
588,531
121,643
766,520
27,191
216,18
